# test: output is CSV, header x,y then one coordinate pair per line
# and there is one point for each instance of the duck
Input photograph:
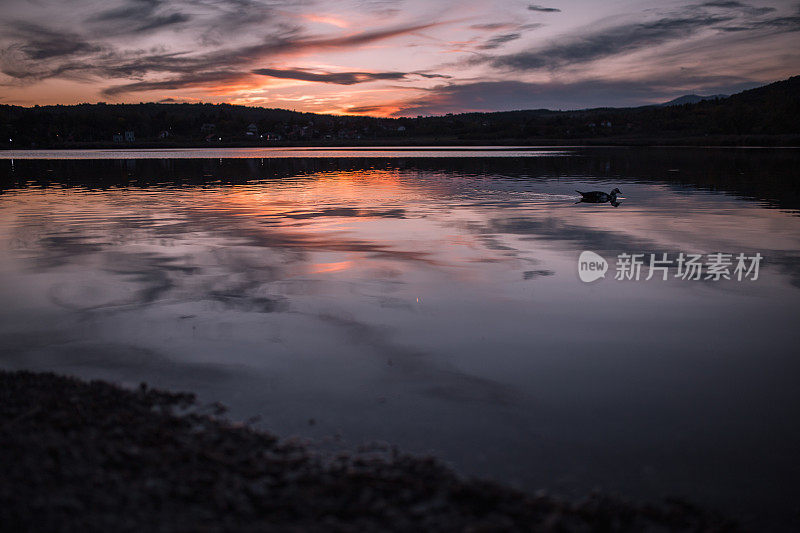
x,y
599,197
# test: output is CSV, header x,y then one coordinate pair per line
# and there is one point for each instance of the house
x,y
118,138
252,130
401,128
163,134
208,128
129,137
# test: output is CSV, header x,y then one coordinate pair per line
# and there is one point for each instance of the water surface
x,y
431,300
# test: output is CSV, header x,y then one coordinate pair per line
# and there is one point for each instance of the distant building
x,y
163,134
118,138
252,130
208,128
129,136
401,128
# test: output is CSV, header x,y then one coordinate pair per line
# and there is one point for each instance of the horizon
x,y
704,97
404,59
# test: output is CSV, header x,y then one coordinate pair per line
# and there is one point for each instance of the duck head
x,y
616,192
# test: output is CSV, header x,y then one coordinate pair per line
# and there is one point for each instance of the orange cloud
x,y
327,19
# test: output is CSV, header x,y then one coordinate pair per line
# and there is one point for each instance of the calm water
x,y
431,299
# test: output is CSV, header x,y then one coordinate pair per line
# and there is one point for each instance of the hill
x,y
693,99
765,115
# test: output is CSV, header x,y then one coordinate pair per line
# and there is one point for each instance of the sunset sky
x,y
391,58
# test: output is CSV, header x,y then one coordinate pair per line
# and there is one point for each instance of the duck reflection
x,y
599,197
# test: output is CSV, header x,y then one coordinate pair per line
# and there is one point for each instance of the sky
x,y
392,58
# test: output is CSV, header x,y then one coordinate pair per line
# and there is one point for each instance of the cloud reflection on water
x,y
433,303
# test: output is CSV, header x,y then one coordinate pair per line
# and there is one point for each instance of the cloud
x,y
192,66
429,75
200,79
208,17
542,9
228,47
139,16
730,5
41,53
37,42
499,40
493,26
515,95
607,42
340,78
91,51
620,39
785,24
365,109
736,6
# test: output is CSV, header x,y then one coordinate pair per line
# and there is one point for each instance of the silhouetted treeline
x,y
769,112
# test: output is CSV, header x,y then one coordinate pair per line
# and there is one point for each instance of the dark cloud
x,y
429,75
542,9
160,22
339,78
209,18
728,16
289,42
515,95
136,10
607,42
736,6
492,26
727,5
89,52
136,16
780,24
79,58
499,40
200,79
358,110
38,42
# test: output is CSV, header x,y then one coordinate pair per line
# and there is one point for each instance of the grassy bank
x,y
79,456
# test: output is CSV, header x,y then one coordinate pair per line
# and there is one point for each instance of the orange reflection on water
x,y
320,268
369,188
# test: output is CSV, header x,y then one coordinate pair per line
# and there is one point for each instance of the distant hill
x,y
693,99
765,115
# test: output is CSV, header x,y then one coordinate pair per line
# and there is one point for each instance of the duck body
x,y
599,197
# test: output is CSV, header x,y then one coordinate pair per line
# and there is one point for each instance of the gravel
x,y
90,456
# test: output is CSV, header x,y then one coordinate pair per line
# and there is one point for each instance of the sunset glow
x,y
391,59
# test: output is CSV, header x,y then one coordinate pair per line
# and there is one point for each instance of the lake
x,y
431,298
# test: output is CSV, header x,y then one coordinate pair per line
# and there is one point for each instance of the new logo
x,y
591,266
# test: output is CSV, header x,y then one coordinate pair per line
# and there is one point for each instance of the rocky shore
x,y
90,456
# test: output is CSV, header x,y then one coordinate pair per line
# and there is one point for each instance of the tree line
x,y
769,111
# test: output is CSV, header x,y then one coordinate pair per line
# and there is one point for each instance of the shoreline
x,y
97,457
411,143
